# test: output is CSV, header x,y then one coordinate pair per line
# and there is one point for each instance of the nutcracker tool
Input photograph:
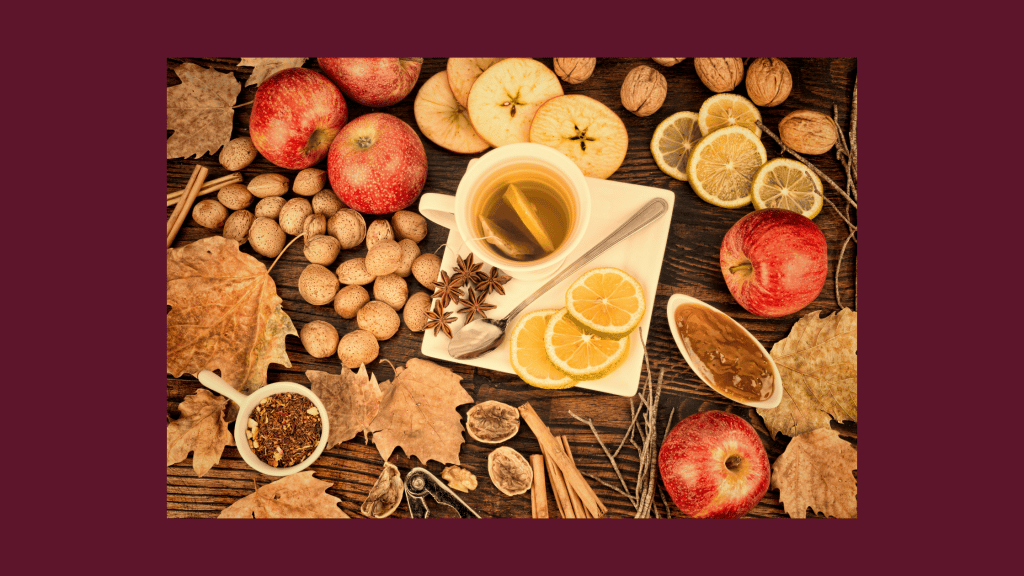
x,y
419,483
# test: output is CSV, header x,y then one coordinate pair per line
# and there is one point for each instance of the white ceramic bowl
x,y
677,300
246,405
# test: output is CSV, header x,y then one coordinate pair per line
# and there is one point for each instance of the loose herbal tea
x,y
284,429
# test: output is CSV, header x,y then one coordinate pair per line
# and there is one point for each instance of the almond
x,y
267,185
309,181
392,290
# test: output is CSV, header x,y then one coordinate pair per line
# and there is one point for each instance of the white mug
x,y
452,212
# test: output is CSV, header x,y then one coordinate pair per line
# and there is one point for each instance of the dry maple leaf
x,y
199,110
265,67
225,314
816,470
818,365
351,401
296,496
201,430
418,413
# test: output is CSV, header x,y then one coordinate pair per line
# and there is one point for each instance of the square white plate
x,y
640,255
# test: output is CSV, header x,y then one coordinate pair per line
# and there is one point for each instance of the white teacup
x,y
454,211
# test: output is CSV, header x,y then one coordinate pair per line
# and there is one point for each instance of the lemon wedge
x,y
528,214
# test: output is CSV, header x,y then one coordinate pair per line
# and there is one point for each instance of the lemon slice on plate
x,y
723,110
579,353
673,139
723,164
528,356
606,301
787,184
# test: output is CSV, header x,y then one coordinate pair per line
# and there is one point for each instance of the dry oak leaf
x,y
418,413
816,470
266,67
296,496
818,365
199,110
351,401
225,314
201,430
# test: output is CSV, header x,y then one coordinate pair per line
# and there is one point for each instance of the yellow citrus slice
x,y
673,139
579,353
728,110
787,184
606,301
528,355
722,166
526,211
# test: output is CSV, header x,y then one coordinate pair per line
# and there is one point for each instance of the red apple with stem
x,y
373,82
714,465
774,262
295,117
377,164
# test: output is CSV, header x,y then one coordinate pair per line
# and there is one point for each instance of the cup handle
x,y
439,208
218,385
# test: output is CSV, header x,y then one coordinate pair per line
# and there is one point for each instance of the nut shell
x,y
309,181
237,154
415,312
210,214
319,338
391,289
409,225
326,202
378,230
318,285
269,207
235,196
349,300
425,269
354,272
667,62
266,237
575,70
379,319
410,250
644,90
236,227
492,422
808,132
322,250
509,471
293,214
268,185
358,347
768,82
315,225
348,227
719,74
385,495
384,257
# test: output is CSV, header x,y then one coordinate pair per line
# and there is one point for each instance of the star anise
x,y
492,281
448,290
466,270
439,320
474,305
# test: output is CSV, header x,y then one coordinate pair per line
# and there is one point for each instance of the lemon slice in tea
x,y
787,184
580,353
722,166
528,214
528,356
673,139
606,301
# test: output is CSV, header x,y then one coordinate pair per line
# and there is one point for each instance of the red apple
x,y
373,81
774,262
377,164
295,117
714,466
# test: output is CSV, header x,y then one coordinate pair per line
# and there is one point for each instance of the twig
x,y
853,135
841,253
610,486
628,430
807,163
615,466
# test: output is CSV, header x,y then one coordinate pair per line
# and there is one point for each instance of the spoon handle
x,y
649,213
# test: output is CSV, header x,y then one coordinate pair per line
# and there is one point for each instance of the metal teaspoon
x,y
483,335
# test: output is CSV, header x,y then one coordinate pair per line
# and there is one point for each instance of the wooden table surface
x,y
690,266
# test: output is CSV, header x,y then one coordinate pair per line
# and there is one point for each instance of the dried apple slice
x,y
443,120
498,237
463,72
528,214
506,96
585,130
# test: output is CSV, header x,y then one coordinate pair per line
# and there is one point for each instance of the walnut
x,y
668,61
808,132
459,478
492,422
768,81
719,74
643,90
509,471
386,494
574,70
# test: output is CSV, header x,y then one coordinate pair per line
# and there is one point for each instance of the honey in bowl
x,y
723,354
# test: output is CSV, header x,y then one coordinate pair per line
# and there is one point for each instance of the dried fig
x,y
768,81
386,494
459,478
719,74
808,132
492,422
509,471
643,91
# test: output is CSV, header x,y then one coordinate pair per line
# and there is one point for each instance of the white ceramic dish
x,y
640,255
246,405
677,300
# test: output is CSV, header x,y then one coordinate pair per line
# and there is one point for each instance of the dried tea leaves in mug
x,y
386,494
492,422
284,429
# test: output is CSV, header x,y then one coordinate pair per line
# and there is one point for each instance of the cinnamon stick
x,y
553,450
574,498
177,210
538,493
185,206
558,488
212,186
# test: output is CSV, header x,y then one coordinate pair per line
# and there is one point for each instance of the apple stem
x,y
733,463
745,266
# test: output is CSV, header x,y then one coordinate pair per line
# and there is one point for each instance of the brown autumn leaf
x,y
225,314
200,430
816,470
199,110
418,413
296,496
265,67
351,400
818,365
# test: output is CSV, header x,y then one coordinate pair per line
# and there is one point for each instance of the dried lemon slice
x,y
607,301
528,214
787,184
528,356
723,110
722,166
580,353
673,139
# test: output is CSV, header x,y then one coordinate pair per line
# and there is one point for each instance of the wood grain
x,y
690,266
